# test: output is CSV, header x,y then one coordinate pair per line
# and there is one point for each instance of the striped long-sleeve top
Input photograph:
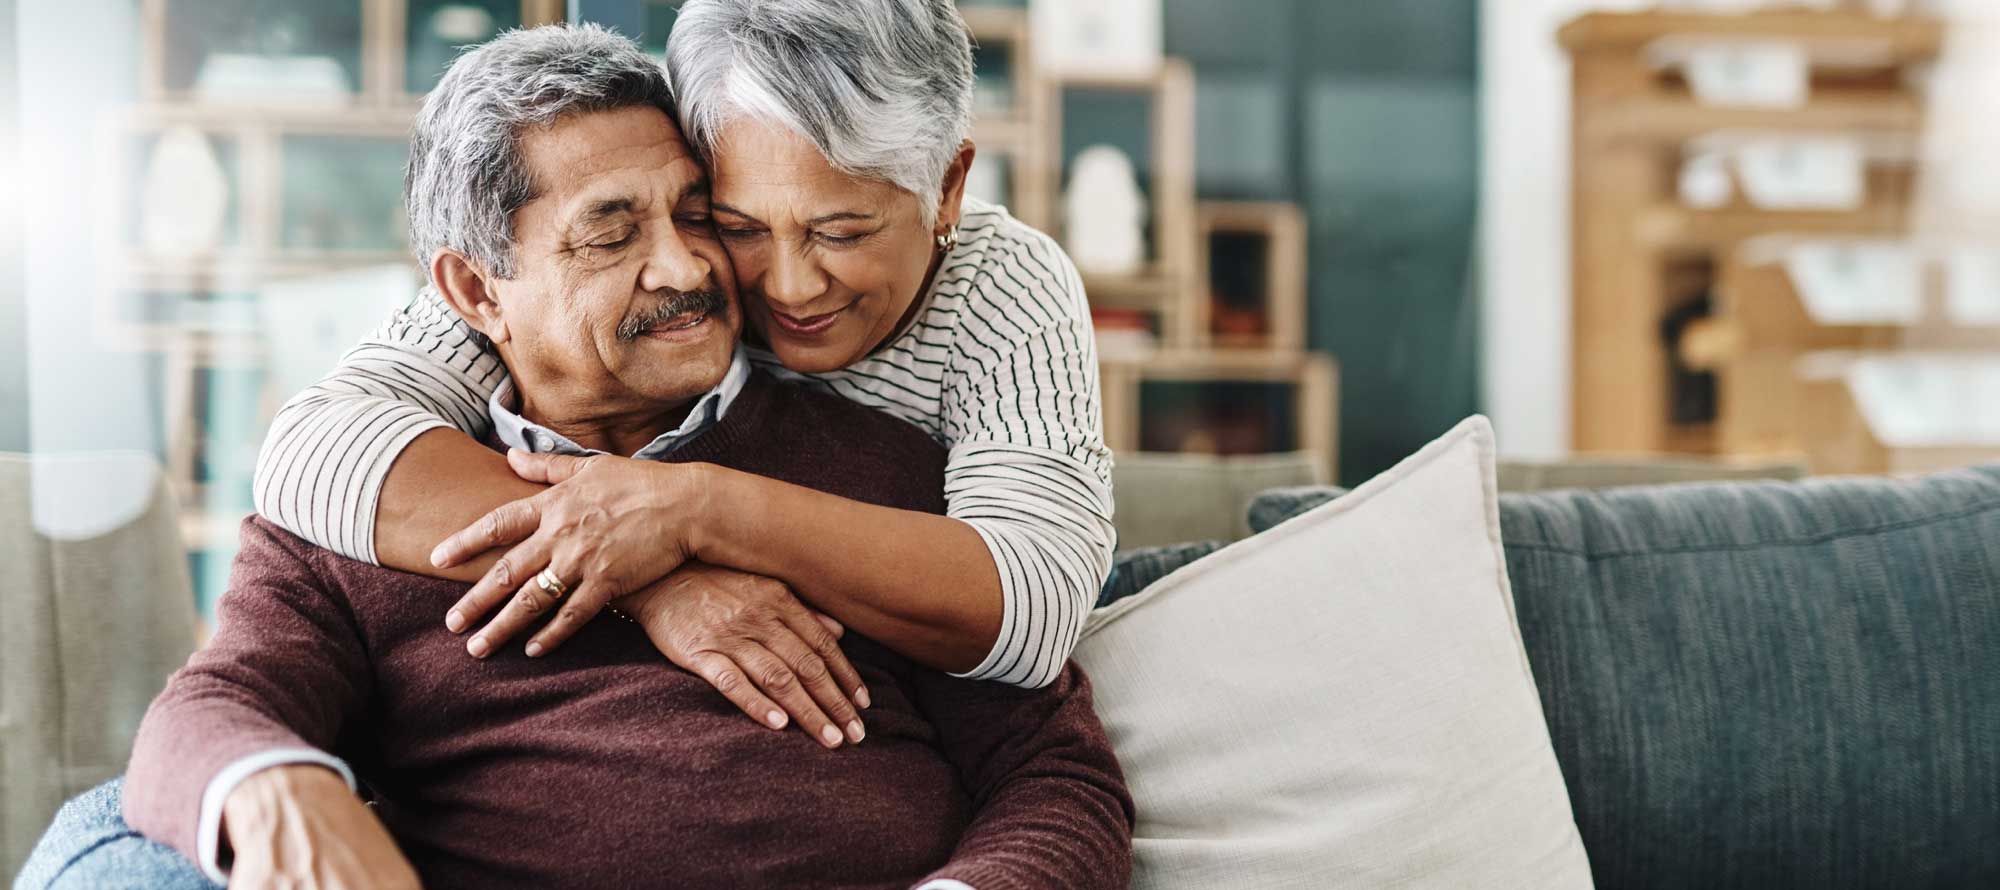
x,y
1000,366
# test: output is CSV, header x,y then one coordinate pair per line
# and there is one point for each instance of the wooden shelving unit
x,y
1632,120
1764,337
259,133
1173,290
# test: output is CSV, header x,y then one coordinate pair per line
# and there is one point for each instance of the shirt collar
x,y
516,431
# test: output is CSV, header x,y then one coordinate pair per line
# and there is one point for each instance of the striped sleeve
x,y
1029,469
320,472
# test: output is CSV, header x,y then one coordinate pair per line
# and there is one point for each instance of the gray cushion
x,y
1135,570
1767,685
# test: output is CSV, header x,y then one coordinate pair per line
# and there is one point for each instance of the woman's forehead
x,y
761,168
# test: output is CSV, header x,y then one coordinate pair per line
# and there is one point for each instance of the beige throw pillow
x,y
1342,701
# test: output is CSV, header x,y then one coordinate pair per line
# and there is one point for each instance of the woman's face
x,y
826,263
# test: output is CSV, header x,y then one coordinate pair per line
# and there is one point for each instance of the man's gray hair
x,y
466,177
883,88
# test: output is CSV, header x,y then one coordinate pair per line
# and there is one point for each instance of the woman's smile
x,y
806,326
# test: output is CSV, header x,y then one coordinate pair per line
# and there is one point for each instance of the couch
x,y
98,612
1754,684
1763,685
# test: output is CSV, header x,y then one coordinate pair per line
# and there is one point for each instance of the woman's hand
x,y
608,527
302,827
752,639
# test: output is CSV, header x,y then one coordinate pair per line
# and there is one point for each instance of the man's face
x,y
622,298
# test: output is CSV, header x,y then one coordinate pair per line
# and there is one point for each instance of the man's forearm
x,y
444,481
921,584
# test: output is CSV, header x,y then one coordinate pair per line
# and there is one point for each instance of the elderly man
x,y
335,734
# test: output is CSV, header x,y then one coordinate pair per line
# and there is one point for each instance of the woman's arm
x,y
325,473
924,585
998,589
442,482
1029,470
921,584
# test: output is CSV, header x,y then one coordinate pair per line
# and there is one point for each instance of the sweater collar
x,y
516,431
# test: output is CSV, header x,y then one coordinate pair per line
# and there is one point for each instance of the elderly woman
x,y
835,133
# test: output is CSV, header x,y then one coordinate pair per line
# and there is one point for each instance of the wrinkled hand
x,y
751,638
302,828
609,526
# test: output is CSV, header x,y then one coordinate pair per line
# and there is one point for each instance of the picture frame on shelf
x,y
1101,38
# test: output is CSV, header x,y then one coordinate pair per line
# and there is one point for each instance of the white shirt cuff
x,y
208,833
945,884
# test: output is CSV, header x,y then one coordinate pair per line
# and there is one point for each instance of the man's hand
x,y
302,828
752,639
609,526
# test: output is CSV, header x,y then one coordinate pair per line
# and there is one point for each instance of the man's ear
x,y
949,206
463,286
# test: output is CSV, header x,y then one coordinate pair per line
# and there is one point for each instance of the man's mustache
x,y
708,300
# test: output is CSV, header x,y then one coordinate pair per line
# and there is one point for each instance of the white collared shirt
x,y
516,431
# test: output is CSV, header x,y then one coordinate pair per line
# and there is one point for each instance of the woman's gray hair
x,y
465,178
883,88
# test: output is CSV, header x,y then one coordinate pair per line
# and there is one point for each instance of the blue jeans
x,y
89,847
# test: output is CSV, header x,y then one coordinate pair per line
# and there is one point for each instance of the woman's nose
x,y
673,266
793,281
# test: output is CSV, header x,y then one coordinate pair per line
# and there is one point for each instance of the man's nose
x,y
673,266
793,281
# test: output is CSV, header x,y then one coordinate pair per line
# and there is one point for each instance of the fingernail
x,y
831,735
534,650
854,731
437,557
454,621
477,647
776,719
861,697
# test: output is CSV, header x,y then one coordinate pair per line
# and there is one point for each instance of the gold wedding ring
x,y
550,584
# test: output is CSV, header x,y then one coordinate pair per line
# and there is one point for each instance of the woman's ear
x,y
464,288
949,203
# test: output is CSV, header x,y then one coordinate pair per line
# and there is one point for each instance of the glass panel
x,y
660,15
287,50
994,92
343,193
1242,136
439,28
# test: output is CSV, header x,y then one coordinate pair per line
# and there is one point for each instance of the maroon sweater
x,y
605,765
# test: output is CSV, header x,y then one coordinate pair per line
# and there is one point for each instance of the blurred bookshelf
x,y
1203,345
1747,277
253,224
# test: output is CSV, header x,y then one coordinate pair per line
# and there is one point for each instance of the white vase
x,y
185,197
1104,213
